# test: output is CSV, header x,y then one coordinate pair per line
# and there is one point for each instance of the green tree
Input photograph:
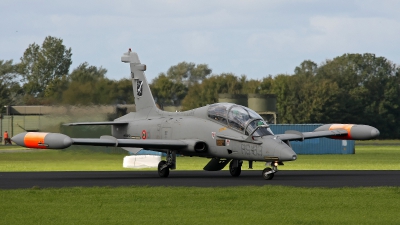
x,y
207,92
285,89
367,84
188,73
42,65
307,69
86,73
54,90
125,91
304,97
170,88
266,85
250,86
166,91
9,87
389,107
88,85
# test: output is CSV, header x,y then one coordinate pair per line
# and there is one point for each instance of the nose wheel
x,y
269,173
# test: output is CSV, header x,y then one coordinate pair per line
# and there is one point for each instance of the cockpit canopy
x,y
239,118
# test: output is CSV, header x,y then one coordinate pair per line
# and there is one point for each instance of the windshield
x,y
262,131
239,118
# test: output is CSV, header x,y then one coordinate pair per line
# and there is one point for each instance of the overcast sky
x,y
252,37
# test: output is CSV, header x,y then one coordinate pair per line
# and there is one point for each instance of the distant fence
x,y
20,119
16,124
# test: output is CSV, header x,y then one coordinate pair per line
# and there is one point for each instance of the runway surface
x,y
16,180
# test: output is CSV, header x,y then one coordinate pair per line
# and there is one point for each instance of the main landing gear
x,y
235,167
268,173
165,165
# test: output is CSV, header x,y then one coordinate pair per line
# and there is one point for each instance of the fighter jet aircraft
x,y
224,132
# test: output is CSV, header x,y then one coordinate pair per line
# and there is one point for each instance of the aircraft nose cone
x,y
288,155
375,133
286,152
276,148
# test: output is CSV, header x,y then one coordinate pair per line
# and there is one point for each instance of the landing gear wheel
x,y
163,171
235,171
266,175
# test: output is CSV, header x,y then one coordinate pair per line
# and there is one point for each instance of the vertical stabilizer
x,y
143,98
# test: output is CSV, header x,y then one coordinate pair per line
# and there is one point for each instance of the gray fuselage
x,y
196,124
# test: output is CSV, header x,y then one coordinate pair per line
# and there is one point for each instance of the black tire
x,y
164,172
267,176
235,171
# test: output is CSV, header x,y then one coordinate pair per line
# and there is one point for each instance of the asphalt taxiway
x,y
300,178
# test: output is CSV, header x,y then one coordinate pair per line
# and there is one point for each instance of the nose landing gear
x,y
268,173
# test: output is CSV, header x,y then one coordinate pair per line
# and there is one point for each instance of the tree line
x,y
352,88
42,77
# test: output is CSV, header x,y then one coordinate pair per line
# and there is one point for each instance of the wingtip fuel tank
x,y
354,131
42,140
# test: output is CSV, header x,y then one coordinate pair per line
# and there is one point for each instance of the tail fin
x,y
143,98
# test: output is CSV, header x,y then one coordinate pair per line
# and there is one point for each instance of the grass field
x,y
378,142
180,205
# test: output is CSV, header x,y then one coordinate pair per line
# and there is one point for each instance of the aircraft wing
x,y
299,136
96,123
335,131
146,144
61,141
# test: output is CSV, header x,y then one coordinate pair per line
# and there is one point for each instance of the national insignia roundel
x,y
144,134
